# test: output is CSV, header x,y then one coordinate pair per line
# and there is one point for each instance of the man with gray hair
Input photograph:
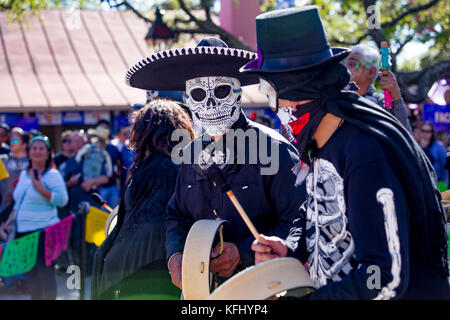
x,y
364,64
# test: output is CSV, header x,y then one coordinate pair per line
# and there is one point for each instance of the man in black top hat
x,y
264,185
372,226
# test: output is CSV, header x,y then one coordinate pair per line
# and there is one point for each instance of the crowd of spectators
x,y
90,161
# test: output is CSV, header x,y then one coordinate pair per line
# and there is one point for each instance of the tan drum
x,y
111,221
258,282
196,256
265,280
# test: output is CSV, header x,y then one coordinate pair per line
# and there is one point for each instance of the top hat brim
x,y
170,69
293,64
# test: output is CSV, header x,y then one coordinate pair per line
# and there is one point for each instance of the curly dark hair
x,y
152,129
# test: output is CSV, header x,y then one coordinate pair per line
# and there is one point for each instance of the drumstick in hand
x,y
219,178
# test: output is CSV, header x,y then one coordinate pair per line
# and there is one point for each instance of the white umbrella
x,y
437,91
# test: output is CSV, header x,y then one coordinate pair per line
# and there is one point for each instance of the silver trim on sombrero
x,y
187,51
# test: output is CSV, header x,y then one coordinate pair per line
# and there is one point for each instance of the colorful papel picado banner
x,y
56,239
19,256
3,172
95,226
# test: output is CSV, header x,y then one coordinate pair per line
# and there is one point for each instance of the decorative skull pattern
x,y
215,103
330,245
209,157
285,115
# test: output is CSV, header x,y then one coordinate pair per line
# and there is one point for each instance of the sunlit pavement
x,y
63,292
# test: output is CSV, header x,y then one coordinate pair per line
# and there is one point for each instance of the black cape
x,y
417,174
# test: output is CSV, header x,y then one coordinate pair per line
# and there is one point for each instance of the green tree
x,y
348,22
400,23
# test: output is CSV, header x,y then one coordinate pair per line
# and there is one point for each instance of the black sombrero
x,y
170,69
292,39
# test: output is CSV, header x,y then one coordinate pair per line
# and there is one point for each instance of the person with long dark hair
x,y
131,262
39,191
434,150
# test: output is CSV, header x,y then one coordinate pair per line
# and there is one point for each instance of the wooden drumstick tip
x,y
108,208
244,215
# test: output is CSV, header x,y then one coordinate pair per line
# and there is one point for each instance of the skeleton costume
x,y
372,226
209,75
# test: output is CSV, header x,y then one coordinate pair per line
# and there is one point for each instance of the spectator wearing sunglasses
x,y
364,64
434,150
67,149
15,162
4,132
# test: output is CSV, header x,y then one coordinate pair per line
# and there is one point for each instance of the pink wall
x,y
239,20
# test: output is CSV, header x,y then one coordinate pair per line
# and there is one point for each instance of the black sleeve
x,y
296,240
285,199
178,219
378,222
400,112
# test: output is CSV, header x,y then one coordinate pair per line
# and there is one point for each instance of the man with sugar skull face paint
x,y
209,75
215,103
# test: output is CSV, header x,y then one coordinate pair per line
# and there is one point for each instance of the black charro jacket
x,y
271,200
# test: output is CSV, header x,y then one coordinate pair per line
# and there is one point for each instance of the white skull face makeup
x,y
215,103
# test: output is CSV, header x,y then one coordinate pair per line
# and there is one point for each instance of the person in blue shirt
x,y
109,191
121,142
39,192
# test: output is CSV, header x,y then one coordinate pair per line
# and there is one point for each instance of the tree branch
x,y
129,6
189,13
192,31
394,21
7,6
176,20
205,5
424,79
212,28
407,40
351,43
378,35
